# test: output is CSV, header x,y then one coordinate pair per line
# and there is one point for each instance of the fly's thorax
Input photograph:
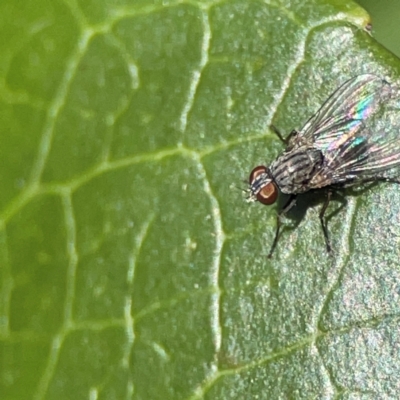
x,y
293,170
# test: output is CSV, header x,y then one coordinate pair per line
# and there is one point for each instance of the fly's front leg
x,y
286,140
324,223
289,204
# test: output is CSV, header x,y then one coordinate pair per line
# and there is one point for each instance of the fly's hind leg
x,y
381,179
289,204
324,222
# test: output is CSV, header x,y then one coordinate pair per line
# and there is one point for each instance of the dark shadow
x,y
316,198
311,199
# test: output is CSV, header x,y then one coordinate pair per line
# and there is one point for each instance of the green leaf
x,y
131,267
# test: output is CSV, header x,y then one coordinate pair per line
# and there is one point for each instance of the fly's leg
x,y
289,204
286,140
277,133
390,180
381,179
373,180
324,222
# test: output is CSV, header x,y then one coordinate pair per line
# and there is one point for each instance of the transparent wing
x,y
346,109
342,129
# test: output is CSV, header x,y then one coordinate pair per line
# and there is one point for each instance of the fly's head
x,y
262,187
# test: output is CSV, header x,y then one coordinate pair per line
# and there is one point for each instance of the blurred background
x,y
385,16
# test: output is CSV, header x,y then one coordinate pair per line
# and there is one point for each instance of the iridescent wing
x,y
341,129
346,109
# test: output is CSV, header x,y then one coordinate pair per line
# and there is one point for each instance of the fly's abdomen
x,y
292,171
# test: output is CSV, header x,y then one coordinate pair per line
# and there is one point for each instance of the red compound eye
x,y
269,192
257,171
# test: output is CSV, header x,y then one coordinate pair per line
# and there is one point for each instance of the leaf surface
x,y
131,267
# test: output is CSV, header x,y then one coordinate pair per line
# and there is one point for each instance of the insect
x,y
337,147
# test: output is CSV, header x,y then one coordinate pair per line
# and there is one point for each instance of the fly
x,y
336,148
